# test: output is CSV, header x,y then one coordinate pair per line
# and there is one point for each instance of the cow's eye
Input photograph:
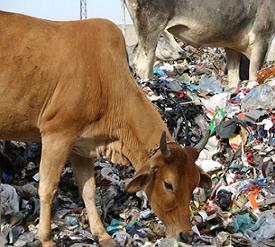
x,y
168,186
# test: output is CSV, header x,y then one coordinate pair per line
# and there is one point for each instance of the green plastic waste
x,y
242,222
216,120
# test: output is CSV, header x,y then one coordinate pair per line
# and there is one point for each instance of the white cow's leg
x,y
143,63
258,53
233,66
84,172
271,51
144,55
55,151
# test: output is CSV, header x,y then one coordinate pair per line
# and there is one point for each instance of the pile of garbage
x,y
240,157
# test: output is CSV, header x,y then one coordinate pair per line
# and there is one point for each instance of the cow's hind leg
x,y
233,65
84,172
55,150
258,53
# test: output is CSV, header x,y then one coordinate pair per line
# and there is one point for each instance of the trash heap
x,y
240,157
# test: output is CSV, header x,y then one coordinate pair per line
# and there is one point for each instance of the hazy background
x,y
66,9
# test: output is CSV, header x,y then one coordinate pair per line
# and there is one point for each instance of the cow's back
x,y
51,71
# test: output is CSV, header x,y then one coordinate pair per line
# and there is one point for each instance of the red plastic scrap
x,y
180,94
249,157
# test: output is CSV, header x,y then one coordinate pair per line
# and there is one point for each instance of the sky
x,y
66,9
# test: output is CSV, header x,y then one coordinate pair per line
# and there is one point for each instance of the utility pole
x,y
123,18
83,9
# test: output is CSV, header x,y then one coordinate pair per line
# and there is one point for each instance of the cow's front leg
x,y
84,172
258,53
55,150
233,65
144,54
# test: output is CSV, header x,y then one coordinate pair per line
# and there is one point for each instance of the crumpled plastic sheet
x,y
227,240
242,222
3,240
263,229
262,96
9,200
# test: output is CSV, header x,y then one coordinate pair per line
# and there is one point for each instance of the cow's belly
x,y
90,147
100,146
17,124
200,34
24,134
19,112
20,106
198,39
85,147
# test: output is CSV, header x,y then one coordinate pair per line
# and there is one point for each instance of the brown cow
x,y
69,84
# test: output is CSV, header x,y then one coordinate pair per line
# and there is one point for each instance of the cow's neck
x,y
142,130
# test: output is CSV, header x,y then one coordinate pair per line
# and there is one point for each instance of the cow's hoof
x,y
108,243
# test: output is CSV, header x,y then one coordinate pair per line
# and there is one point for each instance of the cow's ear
x,y
205,180
140,180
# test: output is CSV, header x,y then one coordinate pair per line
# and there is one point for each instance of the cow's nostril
x,y
186,237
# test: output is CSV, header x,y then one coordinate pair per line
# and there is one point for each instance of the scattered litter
x,y
191,97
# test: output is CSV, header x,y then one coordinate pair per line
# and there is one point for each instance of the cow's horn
x,y
200,146
163,145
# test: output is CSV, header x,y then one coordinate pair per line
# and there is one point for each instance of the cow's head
x,y
145,54
169,178
168,48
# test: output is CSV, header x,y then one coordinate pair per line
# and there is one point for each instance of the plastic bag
x,y
262,96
